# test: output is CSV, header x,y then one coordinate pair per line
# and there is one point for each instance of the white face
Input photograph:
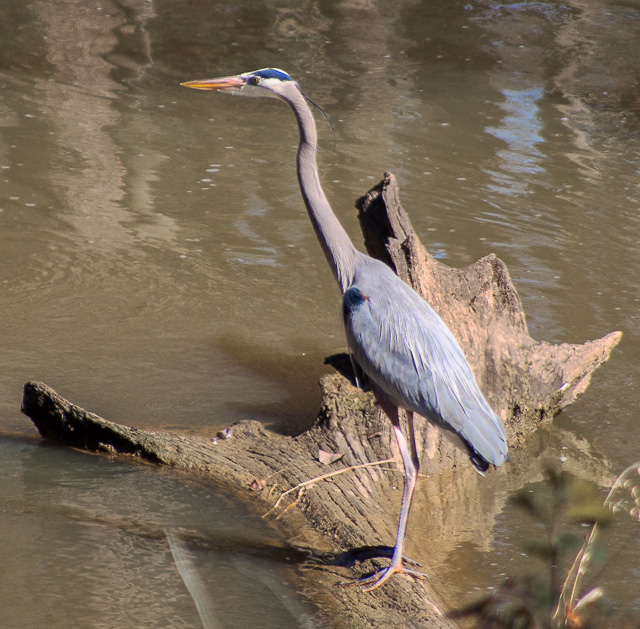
x,y
266,88
264,82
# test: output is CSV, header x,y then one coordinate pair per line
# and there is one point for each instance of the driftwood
x,y
525,380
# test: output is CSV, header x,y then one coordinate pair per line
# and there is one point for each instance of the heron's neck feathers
x,y
336,244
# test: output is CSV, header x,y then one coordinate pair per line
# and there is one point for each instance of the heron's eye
x,y
254,80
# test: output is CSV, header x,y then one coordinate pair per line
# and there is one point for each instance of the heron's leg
x,y
356,371
411,466
412,440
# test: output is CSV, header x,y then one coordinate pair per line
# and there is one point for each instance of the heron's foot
x,y
362,553
372,581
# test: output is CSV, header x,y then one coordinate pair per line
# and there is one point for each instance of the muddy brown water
x,y
157,267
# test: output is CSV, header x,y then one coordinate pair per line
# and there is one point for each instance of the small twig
x,y
301,486
293,504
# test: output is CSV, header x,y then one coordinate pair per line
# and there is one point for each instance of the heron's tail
x,y
481,464
485,440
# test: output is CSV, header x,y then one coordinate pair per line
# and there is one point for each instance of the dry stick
x,y
300,487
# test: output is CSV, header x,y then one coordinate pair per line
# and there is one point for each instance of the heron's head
x,y
266,82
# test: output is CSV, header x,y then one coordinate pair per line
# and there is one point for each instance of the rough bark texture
x,y
525,380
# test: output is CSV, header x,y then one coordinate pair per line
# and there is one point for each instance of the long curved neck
x,y
336,244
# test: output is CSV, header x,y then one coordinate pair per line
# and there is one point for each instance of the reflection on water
x,y
88,537
157,266
520,130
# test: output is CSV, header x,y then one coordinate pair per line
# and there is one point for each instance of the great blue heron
x,y
412,360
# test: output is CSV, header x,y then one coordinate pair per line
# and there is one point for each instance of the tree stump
x,y
526,381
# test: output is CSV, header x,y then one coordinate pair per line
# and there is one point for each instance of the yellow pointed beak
x,y
223,83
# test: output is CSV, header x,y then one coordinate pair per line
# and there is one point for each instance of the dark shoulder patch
x,y
353,298
273,73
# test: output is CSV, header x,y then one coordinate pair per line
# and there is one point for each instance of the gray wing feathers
x,y
406,349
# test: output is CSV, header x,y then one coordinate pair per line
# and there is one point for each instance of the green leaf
x,y
589,513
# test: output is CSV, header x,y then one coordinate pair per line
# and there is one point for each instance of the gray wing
x,y
402,344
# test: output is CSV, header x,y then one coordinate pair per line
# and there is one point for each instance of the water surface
x,y
157,266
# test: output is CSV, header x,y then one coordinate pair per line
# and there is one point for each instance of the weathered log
x,y
525,380
343,513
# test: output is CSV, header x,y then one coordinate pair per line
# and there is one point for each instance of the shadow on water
x,y
294,374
